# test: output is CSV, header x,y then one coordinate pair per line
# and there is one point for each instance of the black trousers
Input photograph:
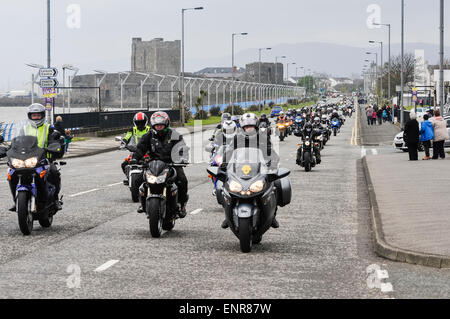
x,y
412,150
426,146
54,177
438,150
369,120
182,184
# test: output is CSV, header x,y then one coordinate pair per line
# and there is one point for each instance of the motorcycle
x,y
252,193
335,125
134,171
298,125
307,158
30,167
281,130
161,192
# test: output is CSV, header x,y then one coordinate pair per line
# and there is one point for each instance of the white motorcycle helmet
x,y
36,108
229,129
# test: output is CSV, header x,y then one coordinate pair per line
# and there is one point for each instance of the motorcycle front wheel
x,y
134,189
24,213
307,161
245,234
154,217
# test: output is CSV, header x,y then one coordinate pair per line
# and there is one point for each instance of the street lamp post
x,y
34,77
259,71
376,70
72,68
381,77
389,53
182,61
287,70
276,66
402,80
441,58
232,67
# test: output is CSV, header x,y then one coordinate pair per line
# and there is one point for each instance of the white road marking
x,y
86,192
111,185
106,265
374,151
195,212
386,287
363,152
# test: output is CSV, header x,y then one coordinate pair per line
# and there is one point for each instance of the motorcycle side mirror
x,y
54,148
118,139
208,148
282,173
214,172
62,163
3,151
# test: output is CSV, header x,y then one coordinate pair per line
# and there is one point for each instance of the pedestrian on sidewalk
x,y
426,135
380,116
374,118
384,115
440,135
369,113
411,136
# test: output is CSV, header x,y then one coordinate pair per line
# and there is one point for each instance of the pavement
x,y
409,202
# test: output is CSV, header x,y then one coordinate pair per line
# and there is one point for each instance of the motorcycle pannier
x,y
284,191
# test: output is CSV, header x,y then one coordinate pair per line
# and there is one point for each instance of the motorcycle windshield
x,y
24,147
246,163
157,167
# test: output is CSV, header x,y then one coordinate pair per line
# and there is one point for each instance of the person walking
x,y
411,136
374,118
384,115
380,116
426,135
369,113
440,135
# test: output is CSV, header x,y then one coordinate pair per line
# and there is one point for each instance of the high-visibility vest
x,y
138,134
41,133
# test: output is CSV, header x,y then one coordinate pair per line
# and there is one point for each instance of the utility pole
x,y
441,67
402,80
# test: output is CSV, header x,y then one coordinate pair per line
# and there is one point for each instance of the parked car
x,y
276,111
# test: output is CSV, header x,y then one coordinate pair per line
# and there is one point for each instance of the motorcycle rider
x,y
264,119
37,126
161,143
250,137
223,118
308,130
226,134
282,117
140,128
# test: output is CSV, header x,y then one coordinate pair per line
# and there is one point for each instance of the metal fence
x,y
107,120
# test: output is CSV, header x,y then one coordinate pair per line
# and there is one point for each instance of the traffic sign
x,y
48,83
46,73
49,92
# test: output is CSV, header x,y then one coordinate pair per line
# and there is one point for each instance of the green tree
x,y
308,83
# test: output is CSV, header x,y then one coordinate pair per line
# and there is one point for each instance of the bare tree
x,y
396,62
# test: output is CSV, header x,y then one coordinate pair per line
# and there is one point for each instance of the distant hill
x,y
334,59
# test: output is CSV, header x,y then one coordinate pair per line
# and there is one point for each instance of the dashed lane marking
x,y
86,192
195,212
374,151
106,265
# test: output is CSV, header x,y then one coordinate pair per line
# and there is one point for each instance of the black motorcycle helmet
x,y
263,117
308,127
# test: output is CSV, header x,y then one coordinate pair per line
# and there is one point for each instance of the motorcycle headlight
x,y
307,143
31,162
151,179
235,187
17,163
257,186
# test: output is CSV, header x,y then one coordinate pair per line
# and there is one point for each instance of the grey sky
x,y
107,26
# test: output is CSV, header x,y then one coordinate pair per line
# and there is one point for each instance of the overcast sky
x,y
103,39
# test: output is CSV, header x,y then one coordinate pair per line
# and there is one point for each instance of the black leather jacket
x,y
168,147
